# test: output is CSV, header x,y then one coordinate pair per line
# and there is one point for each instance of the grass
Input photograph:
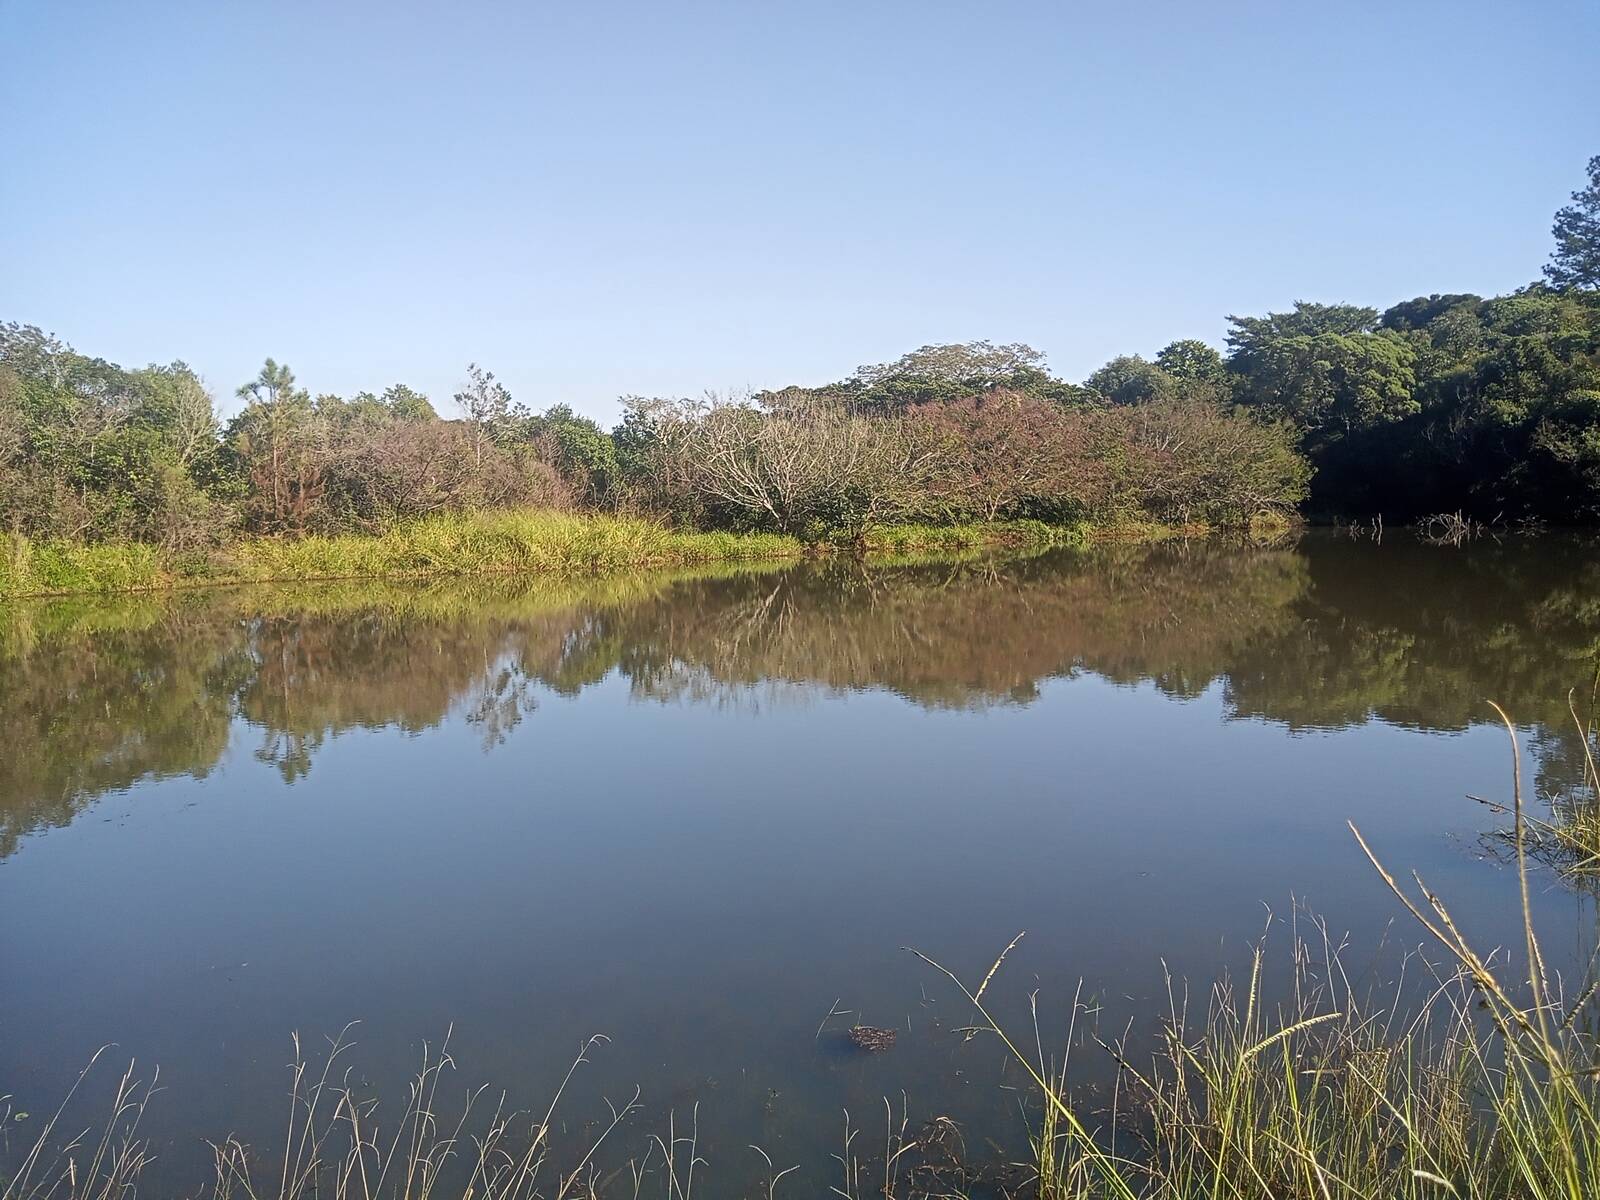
x,y
1487,1090
501,542
955,539
528,541
1484,1088
61,568
1569,841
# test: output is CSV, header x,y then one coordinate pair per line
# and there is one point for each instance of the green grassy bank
x,y
528,541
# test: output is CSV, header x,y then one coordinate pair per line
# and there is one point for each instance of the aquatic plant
x,y
1487,1088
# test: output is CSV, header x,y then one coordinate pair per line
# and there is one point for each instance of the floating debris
x,y
871,1038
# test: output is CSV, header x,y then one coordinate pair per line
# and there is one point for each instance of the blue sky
x,y
593,199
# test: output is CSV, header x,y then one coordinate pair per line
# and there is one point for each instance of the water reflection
x,y
1322,633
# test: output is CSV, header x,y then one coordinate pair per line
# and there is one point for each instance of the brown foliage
x,y
403,470
1183,459
1006,453
1191,459
324,475
815,470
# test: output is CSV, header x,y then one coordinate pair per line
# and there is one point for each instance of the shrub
x,y
815,471
1007,454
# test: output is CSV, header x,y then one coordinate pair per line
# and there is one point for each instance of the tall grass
x,y
1487,1089
61,568
1570,840
337,1145
498,542
492,542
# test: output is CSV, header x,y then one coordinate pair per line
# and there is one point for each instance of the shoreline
x,y
492,543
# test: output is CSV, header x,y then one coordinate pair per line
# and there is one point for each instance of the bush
x,y
1192,460
817,471
402,471
1008,454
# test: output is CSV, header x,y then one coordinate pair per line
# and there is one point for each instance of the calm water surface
x,y
697,813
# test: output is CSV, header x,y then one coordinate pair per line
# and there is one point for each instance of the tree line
x,y
1446,402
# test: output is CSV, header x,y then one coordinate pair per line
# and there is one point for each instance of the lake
x,y
700,813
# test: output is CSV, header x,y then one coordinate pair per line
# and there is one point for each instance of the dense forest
x,y
1484,406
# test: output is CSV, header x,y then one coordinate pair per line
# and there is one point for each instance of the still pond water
x,y
697,814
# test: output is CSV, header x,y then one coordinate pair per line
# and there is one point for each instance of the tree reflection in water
x,y
1323,632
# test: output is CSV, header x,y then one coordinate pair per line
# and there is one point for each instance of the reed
x,y
1487,1089
1569,839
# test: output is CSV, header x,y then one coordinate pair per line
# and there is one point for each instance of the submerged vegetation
x,y
1459,1083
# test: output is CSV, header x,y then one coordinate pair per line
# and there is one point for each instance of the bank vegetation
x,y
1484,408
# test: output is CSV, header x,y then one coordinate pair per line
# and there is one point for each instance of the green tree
x,y
1191,361
635,437
398,404
276,441
176,402
1445,331
91,450
489,411
1305,320
980,363
579,449
1331,384
407,405
1533,441
1130,379
942,373
362,411
1575,262
1425,310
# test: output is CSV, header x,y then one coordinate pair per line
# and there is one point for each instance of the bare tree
x,y
486,406
194,426
818,471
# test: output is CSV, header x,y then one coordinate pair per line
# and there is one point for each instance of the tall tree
x,y
1331,384
953,371
960,362
486,405
1305,320
1575,262
1130,379
404,404
1189,360
275,439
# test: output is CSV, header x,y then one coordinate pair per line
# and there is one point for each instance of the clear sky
x,y
596,198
